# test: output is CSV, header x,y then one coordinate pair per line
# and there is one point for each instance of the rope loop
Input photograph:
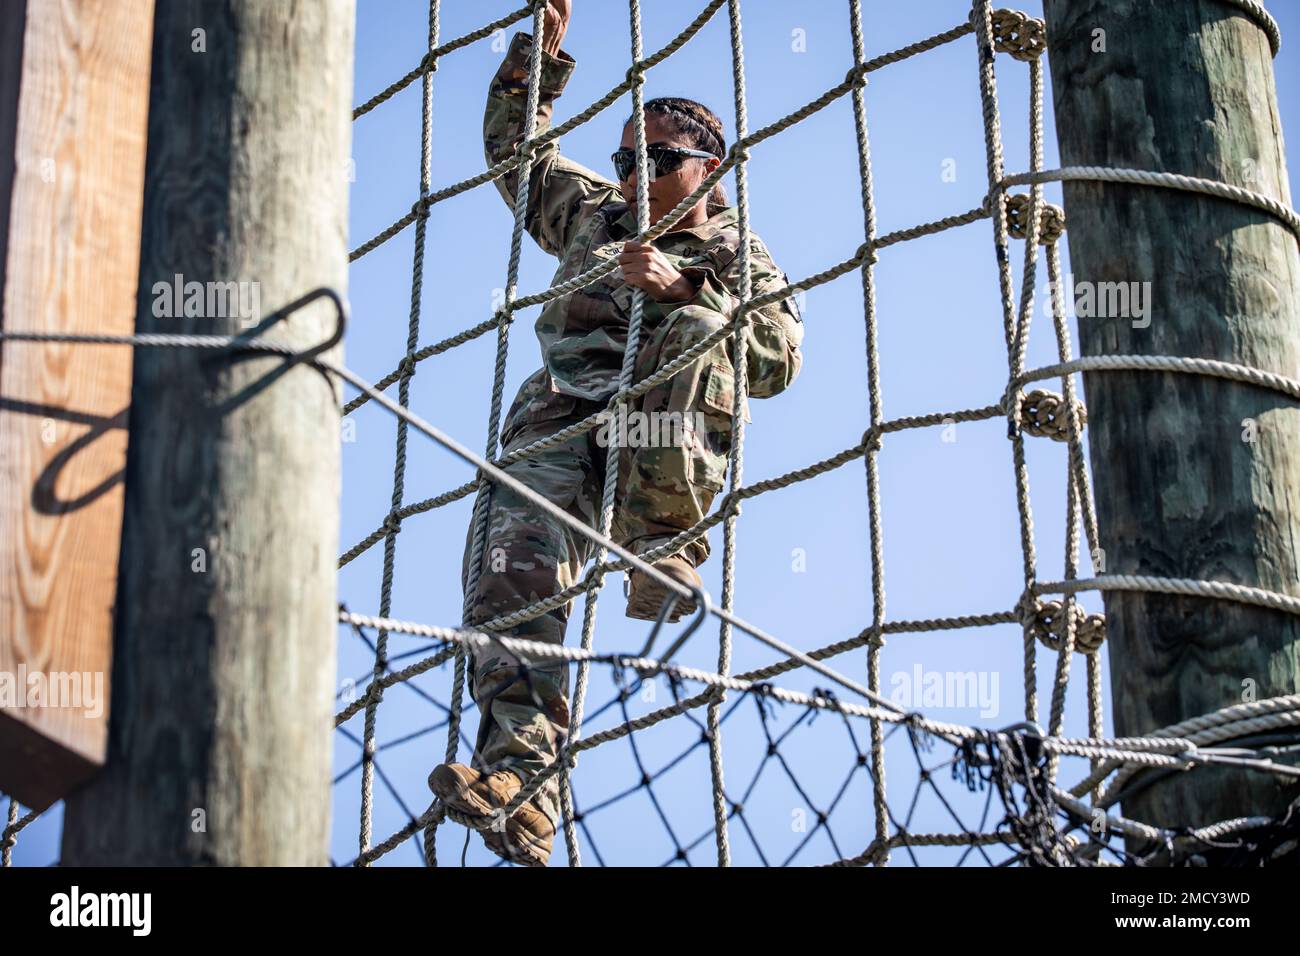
x,y
1043,415
1051,220
1019,34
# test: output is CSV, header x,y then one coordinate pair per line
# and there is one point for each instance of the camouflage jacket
x,y
580,217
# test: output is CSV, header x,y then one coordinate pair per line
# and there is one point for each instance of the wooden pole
x,y
74,94
1196,477
220,737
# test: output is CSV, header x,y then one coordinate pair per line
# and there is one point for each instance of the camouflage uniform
x,y
579,217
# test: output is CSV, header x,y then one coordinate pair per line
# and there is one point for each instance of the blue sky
x,y
950,530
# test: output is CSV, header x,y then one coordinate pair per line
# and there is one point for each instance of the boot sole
x,y
454,792
645,602
523,851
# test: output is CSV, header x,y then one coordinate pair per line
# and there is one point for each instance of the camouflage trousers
x,y
667,481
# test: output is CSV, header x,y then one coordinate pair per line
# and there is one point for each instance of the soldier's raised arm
x,y
561,193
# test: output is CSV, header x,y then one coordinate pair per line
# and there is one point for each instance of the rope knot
x,y
871,438
1051,219
392,524
1019,34
420,208
737,153
1044,415
527,149
1049,624
635,74
856,77
866,254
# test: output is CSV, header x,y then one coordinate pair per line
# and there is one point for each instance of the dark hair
x,y
700,126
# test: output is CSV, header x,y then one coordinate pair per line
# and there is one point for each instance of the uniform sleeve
x,y
773,353
561,193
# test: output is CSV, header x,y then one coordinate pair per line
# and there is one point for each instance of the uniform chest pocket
x,y
610,286
619,291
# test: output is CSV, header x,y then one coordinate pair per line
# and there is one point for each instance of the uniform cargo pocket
x,y
720,391
773,357
710,446
711,439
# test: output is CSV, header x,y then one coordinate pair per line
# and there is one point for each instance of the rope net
x,y
999,789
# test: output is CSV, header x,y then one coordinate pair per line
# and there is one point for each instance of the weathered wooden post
x,y
219,742
1196,477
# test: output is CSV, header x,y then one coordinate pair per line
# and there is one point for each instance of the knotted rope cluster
x,y
1043,415
1051,219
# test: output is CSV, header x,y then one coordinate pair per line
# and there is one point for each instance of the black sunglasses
x,y
661,159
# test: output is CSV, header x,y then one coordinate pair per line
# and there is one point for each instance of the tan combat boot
x,y
646,596
525,837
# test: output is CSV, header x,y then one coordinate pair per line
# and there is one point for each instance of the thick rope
x,y
399,464
483,503
613,450
875,412
1016,338
1145,177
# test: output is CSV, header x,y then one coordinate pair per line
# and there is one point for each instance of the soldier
x,y
691,280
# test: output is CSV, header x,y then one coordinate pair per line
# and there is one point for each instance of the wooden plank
x,y
1195,477
72,134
